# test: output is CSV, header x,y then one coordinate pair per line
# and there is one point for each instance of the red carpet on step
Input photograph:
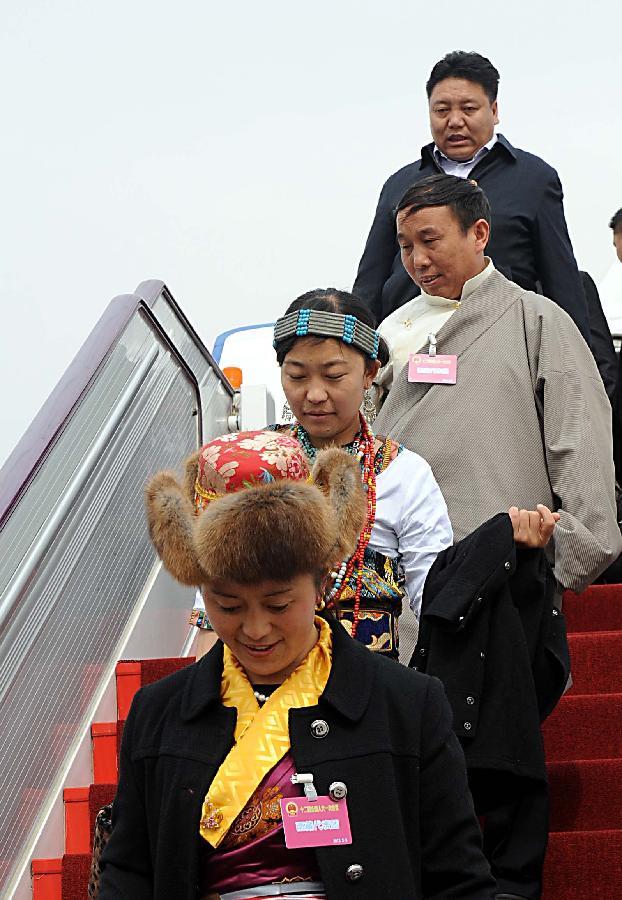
x,y
583,739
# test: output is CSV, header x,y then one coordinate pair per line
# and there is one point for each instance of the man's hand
x,y
533,528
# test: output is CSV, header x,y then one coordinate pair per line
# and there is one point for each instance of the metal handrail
x,y
41,545
79,581
17,471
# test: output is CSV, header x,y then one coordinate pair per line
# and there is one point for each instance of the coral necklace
x,y
362,447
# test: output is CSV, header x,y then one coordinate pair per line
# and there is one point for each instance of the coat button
x,y
482,655
422,651
319,728
354,872
337,790
508,566
470,700
555,612
467,726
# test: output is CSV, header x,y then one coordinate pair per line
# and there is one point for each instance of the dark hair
x,y
332,300
616,221
463,196
470,66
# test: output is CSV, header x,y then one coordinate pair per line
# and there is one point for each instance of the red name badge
x,y
426,369
322,822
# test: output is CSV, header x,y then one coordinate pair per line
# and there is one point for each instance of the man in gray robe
x,y
527,421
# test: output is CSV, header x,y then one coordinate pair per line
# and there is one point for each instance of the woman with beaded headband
x,y
289,761
330,353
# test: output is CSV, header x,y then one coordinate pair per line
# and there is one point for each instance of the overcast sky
x,y
236,150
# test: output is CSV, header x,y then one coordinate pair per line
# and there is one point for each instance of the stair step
x,y
583,865
75,877
78,833
599,608
99,795
128,682
131,675
154,669
47,875
596,662
105,768
587,726
585,795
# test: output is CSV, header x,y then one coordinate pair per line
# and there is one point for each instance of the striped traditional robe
x,y
527,422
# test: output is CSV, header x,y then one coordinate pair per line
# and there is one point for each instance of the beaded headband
x,y
348,329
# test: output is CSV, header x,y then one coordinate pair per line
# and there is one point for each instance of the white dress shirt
x,y
406,330
411,520
462,168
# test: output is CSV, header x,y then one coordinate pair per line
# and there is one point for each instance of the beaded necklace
x,y
311,452
363,448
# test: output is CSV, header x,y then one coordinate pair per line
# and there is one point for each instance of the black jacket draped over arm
x,y
490,631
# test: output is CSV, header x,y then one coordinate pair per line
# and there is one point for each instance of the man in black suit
x,y
529,239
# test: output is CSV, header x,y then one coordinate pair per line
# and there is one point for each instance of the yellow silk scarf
x,y
261,733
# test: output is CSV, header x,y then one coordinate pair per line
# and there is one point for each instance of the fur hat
x,y
247,511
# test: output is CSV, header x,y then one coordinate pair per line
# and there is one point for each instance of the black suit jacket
x,y
529,239
389,739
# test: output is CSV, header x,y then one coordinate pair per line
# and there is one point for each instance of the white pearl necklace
x,y
261,698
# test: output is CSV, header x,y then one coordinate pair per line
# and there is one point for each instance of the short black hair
x,y
470,66
332,300
464,197
616,221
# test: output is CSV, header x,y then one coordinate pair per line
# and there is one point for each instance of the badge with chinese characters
x,y
424,368
322,822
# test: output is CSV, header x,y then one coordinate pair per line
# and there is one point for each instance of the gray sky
x,y
236,150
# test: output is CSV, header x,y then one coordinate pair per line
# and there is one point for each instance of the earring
x,y
368,407
320,603
287,415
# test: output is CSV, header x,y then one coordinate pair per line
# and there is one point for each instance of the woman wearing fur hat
x,y
289,761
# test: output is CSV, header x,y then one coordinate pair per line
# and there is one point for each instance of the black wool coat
x,y
389,739
490,631
529,239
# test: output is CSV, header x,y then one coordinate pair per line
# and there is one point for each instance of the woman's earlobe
x,y
371,371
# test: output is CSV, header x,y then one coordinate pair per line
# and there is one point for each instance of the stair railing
x,y
76,564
